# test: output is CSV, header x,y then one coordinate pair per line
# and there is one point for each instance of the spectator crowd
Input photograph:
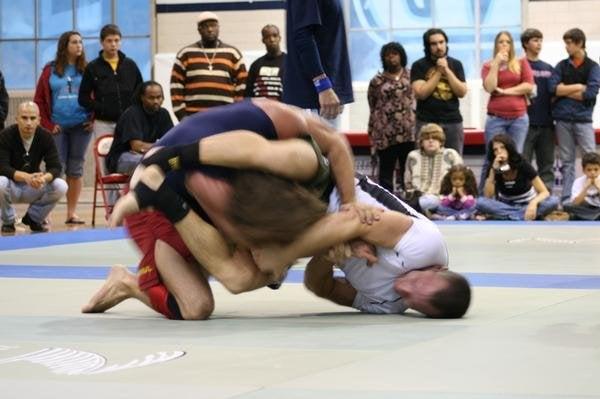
x,y
535,110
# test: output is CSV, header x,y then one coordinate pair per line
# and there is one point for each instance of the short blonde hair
x,y
432,131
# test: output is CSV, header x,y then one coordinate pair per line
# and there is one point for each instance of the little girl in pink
x,y
458,191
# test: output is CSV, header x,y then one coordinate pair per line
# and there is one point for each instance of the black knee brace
x,y
164,199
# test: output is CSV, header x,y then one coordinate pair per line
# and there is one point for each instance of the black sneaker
x,y
8,228
34,226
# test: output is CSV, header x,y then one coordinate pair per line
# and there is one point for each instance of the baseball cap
x,y
207,16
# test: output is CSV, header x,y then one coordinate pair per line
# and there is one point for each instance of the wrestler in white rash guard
x,y
420,247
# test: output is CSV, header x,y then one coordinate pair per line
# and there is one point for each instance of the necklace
x,y
209,61
395,76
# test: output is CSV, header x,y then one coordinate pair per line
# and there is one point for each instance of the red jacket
x,y
43,98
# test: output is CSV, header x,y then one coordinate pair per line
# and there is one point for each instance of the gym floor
x,y
533,329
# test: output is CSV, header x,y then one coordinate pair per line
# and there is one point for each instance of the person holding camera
x,y
512,189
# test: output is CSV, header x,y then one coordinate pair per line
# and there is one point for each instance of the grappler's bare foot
x,y
128,204
119,285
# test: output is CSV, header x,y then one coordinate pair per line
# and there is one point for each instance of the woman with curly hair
x,y
392,116
458,194
512,189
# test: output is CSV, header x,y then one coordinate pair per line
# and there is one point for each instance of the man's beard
x,y
435,56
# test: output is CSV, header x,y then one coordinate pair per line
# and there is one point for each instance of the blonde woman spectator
x,y
509,81
426,167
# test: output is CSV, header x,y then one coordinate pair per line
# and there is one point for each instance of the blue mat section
x,y
60,238
56,272
517,280
508,280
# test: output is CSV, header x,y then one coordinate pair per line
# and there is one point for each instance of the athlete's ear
x,y
402,288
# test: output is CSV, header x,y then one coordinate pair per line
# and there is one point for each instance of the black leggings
x,y
387,163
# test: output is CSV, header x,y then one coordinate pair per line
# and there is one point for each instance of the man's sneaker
x,y
34,226
8,228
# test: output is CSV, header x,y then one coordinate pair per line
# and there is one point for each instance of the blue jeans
x,y
429,202
504,211
72,143
583,211
515,128
41,200
128,161
463,214
571,134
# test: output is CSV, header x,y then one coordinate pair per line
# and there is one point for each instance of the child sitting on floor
x,y
585,193
458,191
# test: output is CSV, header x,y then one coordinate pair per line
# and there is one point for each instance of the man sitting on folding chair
x,y
140,126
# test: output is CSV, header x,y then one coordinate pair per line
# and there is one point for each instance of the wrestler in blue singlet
x,y
243,115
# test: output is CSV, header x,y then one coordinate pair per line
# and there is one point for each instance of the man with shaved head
x,y
23,147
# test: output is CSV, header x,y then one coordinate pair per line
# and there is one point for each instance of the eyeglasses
x,y
27,160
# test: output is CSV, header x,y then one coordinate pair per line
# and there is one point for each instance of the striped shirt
x,y
206,77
